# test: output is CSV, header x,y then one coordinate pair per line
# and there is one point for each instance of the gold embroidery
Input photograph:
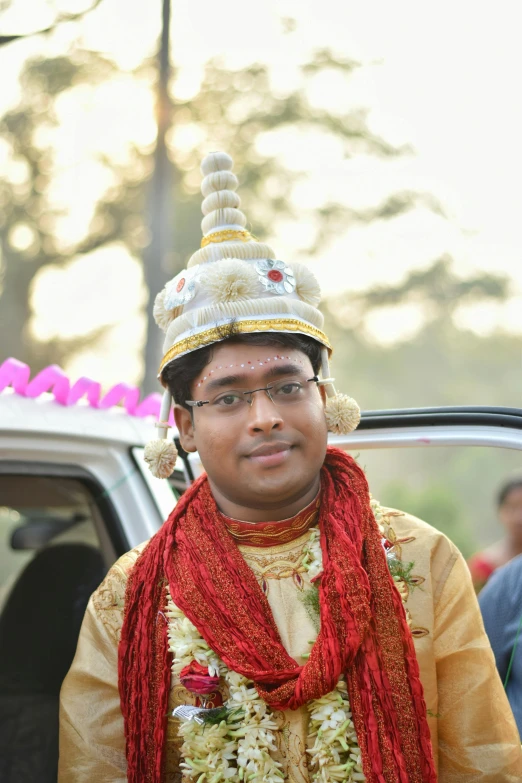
x,y
108,600
226,235
281,565
273,533
291,750
402,586
208,336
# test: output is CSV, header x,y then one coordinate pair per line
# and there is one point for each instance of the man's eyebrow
x,y
276,371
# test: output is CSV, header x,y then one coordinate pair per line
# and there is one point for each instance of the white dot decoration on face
x,y
252,363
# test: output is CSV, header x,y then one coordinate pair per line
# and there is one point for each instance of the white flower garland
x,y
336,755
240,748
237,749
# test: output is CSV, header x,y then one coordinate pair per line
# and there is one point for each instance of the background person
x,y
509,504
501,606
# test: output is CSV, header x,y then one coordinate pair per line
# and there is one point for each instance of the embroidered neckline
x,y
243,745
268,534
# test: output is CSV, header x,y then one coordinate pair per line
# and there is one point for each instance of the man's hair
x,y
180,374
515,482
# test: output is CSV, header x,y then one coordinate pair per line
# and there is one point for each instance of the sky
x,y
443,78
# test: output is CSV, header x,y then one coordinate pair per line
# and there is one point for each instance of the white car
x,y
75,494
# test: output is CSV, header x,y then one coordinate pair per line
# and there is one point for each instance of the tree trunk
x,y
161,211
15,311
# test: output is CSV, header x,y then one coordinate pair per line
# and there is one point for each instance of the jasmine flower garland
x,y
335,755
238,748
242,746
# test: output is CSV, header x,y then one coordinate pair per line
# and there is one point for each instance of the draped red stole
x,y
364,634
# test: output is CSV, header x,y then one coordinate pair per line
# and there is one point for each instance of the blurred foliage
x,y
440,364
239,111
437,288
233,110
59,18
451,488
25,202
436,504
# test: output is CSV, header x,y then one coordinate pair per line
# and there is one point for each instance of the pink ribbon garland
x,y
53,379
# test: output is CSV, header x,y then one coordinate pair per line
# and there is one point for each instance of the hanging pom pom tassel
x,y
161,454
342,414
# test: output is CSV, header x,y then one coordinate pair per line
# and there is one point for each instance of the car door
x,y
444,465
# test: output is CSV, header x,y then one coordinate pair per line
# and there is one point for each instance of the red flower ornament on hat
x,y
276,276
181,289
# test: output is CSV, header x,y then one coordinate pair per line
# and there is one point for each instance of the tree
x,y
441,364
233,110
452,488
29,241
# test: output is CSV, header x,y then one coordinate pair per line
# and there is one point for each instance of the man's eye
x,y
228,400
288,389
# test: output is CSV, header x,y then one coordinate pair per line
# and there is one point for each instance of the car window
x,y
453,488
54,552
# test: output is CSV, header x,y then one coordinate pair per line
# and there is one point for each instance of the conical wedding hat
x,y
235,279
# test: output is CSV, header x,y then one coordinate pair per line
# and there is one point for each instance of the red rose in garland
x,y
196,679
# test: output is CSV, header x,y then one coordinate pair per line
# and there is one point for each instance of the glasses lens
x,y
288,392
284,392
228,402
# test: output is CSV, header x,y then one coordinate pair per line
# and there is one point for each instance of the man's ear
x,y
322,392
185,427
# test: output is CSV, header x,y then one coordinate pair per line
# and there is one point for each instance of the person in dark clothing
x,y
501,605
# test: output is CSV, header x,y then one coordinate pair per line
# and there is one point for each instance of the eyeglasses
x,y
289,391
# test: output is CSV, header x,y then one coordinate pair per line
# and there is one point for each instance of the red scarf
x,y
364,633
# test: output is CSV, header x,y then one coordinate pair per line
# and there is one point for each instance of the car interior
x,y
51,560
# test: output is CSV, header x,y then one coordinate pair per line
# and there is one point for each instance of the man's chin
x,y
271,487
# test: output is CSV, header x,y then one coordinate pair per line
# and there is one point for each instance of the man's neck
x,y
268,512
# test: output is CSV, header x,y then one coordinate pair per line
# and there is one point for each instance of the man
x,y
501,605
509,509
280,625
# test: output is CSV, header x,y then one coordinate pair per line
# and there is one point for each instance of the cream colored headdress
x,y
233,278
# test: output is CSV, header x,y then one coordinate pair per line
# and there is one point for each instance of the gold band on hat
x,y
227,235
215,334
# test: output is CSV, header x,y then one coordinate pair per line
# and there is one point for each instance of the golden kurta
x,y
472,728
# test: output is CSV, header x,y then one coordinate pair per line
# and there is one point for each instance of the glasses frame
x,y
199,403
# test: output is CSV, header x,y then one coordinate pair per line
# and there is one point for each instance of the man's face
x,y
510,513
265,454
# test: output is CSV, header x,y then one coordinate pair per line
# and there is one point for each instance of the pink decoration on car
x,y
53,379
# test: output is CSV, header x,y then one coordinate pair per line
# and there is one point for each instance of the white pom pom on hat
x,y
160,455
342,414
306,284
230,280
161,314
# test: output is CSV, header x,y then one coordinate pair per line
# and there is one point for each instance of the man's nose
x,y
263,414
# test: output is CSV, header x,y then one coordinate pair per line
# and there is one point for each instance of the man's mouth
x,y
270,454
